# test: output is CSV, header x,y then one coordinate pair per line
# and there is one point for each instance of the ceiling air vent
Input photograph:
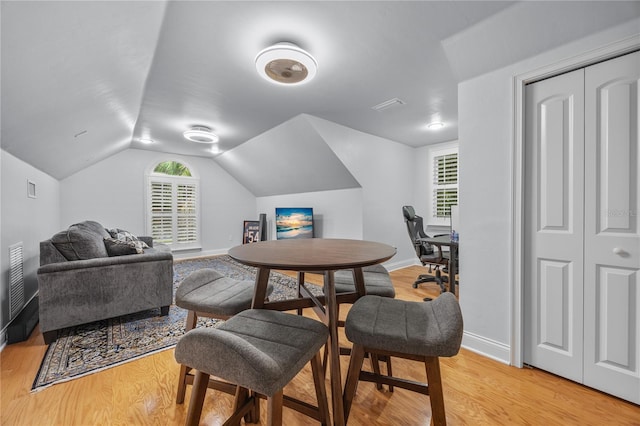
x,y
388,104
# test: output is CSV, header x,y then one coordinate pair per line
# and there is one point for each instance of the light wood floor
x,y
478,391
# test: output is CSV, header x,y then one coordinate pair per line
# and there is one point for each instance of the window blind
x,y
174,215
187,229
445,184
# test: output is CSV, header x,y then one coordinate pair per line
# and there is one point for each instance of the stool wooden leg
x,y
274,409
434,381
321,390
375,366
192,319
256,407
198,392
355,365
239,401
182,384
389,372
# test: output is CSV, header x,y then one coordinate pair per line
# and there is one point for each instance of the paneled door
x,y
612,237
582,236
554,202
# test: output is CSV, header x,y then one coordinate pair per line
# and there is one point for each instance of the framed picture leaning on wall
x,y
250,231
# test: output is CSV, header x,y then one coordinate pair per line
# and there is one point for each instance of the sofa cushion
x,y
120,248
81,241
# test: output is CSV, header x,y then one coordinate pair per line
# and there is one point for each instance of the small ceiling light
x,y
145,141
200,134
286,64
435,126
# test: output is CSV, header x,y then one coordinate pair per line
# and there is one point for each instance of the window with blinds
x,y
445,184
173,216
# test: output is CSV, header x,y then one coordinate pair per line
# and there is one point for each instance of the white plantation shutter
x,y
173,212
445,184
162,212
187,229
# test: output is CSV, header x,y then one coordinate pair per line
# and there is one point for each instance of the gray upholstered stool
x,y
261,351
420,331
376,281
207,293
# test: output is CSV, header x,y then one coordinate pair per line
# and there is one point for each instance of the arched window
x,y
173,205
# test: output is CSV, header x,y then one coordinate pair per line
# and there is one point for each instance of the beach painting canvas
x,y
294,222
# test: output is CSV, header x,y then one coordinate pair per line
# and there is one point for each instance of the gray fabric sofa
x,y
85,276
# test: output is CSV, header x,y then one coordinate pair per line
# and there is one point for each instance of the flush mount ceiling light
x,y
435,126
286,64
145,141
200,134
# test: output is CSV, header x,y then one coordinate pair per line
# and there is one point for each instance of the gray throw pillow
x,y
117,247
122,235
80,242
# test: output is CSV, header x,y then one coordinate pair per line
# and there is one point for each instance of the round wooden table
x,y
316,255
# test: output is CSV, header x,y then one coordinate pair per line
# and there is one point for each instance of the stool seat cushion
x,y
257,349
207,290
376,280
417,328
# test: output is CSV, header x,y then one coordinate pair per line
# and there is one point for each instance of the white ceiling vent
x,y
388,104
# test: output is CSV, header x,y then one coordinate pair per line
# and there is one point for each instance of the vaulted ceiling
x,y
84,80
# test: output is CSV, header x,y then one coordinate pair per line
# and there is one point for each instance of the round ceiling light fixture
x,y
287,64
435,126
201,134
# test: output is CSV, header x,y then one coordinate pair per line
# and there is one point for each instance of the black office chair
x,y
428,254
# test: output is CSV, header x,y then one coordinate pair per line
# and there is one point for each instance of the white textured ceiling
x,y
84,80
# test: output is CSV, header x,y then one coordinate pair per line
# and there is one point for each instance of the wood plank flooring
x,y
478,391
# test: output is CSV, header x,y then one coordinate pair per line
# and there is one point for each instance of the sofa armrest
x,y
147,240
147,256
50,254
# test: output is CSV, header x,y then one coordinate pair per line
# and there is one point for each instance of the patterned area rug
x,y
89,348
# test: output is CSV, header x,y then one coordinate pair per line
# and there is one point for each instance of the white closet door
x,y
612,234
554,199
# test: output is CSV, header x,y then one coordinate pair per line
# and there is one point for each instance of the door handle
x,y
620,252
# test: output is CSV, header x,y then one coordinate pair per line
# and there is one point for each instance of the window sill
x,y
188,248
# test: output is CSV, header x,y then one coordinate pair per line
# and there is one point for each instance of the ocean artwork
x,y
294,222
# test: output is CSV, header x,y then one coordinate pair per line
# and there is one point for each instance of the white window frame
x,y
175,182
435,152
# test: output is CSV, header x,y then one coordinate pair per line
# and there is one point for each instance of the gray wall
x,y
386,171
486,138
112,192
337,214
26,220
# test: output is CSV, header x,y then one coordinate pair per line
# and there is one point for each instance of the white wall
x,y
26,220
112,192
385,170
486,138
336,214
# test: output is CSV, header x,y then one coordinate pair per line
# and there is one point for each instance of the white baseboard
x,y
490,348
401,264
206,253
